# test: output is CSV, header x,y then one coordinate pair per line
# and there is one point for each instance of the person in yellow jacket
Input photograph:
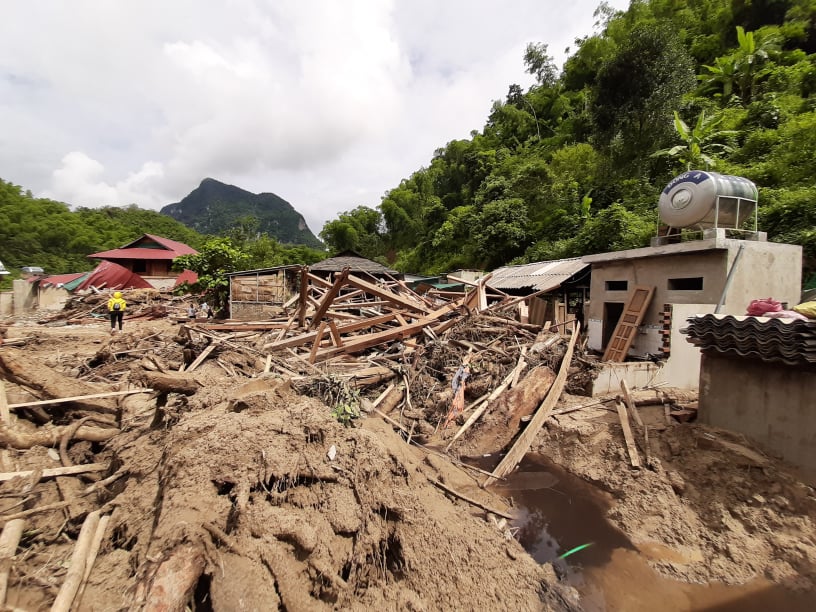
x,y
116,308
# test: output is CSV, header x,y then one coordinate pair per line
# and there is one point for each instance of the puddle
x,y
558,512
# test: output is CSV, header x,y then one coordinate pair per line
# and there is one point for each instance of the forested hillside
x,y
41,232
575,164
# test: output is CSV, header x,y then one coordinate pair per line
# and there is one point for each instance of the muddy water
x,y
558,512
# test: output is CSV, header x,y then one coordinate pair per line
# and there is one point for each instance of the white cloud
x,y
328,104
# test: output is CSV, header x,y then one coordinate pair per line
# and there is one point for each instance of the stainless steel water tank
x,y
704,199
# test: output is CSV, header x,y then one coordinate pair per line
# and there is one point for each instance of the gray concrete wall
x,y
25,297
6,303
680,370
52,298
771,403
654,272
765,269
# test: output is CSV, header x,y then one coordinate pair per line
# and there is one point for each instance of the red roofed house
x,y
151,258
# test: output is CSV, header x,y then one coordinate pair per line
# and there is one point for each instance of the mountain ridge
x,y
215,207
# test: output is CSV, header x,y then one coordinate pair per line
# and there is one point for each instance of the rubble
x,y
298,461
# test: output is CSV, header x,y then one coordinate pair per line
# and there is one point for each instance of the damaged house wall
x,y
688,273
261,294
688,278
770,402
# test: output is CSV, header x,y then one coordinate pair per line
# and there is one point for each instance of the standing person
x,y
191,312
116,308
205,308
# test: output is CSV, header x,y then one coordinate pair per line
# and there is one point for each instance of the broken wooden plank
x,y
525,439
627,397
384,294
318,339
5,417
634,458
9,541
76,569
643,429
328,298
320,282
76,398
360,343
308,337
259,326
200,359
335,334
469,500
54,472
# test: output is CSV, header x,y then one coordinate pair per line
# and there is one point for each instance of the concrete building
x,y
688,278
757,377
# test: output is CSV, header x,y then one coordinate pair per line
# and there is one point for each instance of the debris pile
x,y
196,463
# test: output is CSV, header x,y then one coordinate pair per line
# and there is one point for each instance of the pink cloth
x,y
761,308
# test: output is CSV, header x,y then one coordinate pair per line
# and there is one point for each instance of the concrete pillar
x,y
25,296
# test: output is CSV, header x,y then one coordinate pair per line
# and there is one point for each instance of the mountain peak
x,y
215,207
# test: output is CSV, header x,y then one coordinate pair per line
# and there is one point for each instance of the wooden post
x,y
79,559
5,417
627,397
321,330
335,334
73,470
634,458
8,548
643,428
327,300
303,303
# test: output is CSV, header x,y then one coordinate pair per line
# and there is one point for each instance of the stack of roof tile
x,y
774,340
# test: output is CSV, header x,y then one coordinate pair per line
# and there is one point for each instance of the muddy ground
x,y
255,497
718,507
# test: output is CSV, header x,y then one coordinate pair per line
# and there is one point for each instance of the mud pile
x,y
247,495
731,513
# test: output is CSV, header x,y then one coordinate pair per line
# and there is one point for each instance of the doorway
x,y
612,314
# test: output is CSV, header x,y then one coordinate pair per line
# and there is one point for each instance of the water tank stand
x,y
739,201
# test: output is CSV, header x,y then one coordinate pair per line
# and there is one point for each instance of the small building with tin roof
x,y
557,289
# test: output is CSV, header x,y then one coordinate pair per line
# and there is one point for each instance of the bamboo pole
x,y
96,544
79,560
8,548
52,472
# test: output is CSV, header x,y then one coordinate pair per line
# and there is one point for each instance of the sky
x,y
327,103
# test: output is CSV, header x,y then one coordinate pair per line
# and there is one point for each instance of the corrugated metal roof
x,y
538,276
170,249
357,264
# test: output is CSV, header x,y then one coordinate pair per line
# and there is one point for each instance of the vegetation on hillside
x,y
576,163
45,233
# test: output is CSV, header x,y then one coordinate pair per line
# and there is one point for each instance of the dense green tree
x,y
639,88
700,142
217,257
